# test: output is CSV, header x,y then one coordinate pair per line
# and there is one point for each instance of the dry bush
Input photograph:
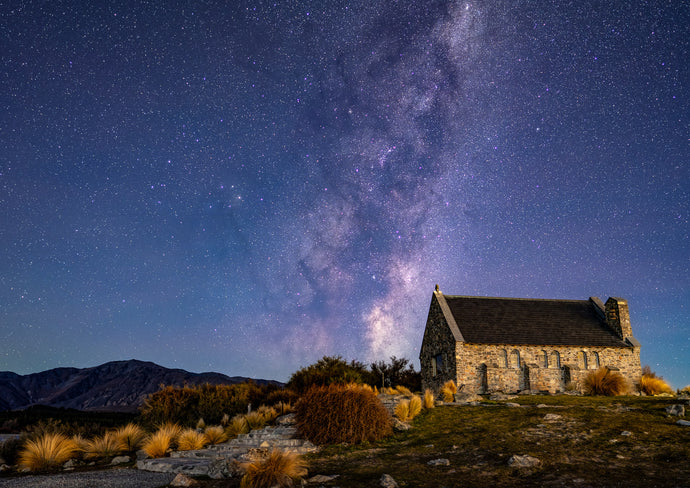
x,y
158,444
604,382
215,434
238,425
104,446
402,410
190,440
255,420
334,414
47,451
654,385
448,391
429,399
130,437
278,469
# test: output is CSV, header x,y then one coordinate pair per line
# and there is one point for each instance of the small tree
x,y
398,372
329,370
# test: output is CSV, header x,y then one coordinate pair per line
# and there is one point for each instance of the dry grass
x,y
429,399
158,444
215,434
653,385
269,413
402,390
190,440
415,406
47,451
255,420
448,391
604,382
225,420
130,437
107,445
200,424
685,390
283,408
278,469
238,425
402,410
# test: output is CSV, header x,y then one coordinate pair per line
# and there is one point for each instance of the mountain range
x,y
113,386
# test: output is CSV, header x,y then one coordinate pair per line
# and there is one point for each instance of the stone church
x,y
489,344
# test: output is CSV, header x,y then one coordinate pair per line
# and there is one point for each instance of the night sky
x,y
244,187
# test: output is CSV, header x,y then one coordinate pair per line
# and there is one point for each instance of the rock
x,y
400,426
439,462
288,419
511,404
183,480
542,405
552,416
387,481
684,423
322,478
120,460
141,454
626,433
70,464
676,410
467,397
525,461
222,468
4,467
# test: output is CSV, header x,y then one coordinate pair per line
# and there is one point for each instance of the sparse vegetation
x,y
278,469
191,440
652,384
448,391
604,382
49,451
336,414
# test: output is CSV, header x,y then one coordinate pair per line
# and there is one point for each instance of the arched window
x,y
597,363
515,359
545,360
502,358
555,360
582,360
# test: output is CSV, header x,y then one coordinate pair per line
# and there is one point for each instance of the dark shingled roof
x,y
521,321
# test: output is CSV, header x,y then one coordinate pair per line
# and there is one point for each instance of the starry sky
x,y
244,187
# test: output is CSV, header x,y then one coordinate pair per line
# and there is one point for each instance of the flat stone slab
x,y
188,466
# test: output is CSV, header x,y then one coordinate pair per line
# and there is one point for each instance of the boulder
x,y
676,410
387,481
523,461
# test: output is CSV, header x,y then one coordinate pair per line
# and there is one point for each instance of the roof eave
x,y
450,320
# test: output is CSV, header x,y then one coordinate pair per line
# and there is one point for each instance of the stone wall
x,y
438,341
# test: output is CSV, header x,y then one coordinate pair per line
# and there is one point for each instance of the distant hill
x,y
113,386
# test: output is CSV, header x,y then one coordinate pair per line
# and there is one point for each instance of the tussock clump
x,y
402,390
215,434
335,414
158,444
429,399
47,451
278,469
685,390
130,437
415,406
238,425
255,420
650,385
402,410
269,413
604,382
104,446
448,391
191,440
200,424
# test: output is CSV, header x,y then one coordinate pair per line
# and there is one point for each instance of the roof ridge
x,y
518,298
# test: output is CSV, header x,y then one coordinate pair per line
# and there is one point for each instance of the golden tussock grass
x,y
685,390
415,406
255,420
104,446
238,425
448,391
47,451
604,382
190,440
653,385
278,469
269,413
215,434
429,399
402,410
402,390
200,424
225,420
158,444
130,437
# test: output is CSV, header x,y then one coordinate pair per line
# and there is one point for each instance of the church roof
x,y
524,321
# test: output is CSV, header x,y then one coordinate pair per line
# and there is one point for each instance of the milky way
x,y
246,186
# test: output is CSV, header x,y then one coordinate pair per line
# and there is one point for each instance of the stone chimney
x,y
618,317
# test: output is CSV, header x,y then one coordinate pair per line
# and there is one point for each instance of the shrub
x,y
429,399
603,381
191,440
215,434
335,414
685,390
278,469
329,370
399,371
103,446
448,391
238,425
402,410
157,445
47,451
130,437
653,385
